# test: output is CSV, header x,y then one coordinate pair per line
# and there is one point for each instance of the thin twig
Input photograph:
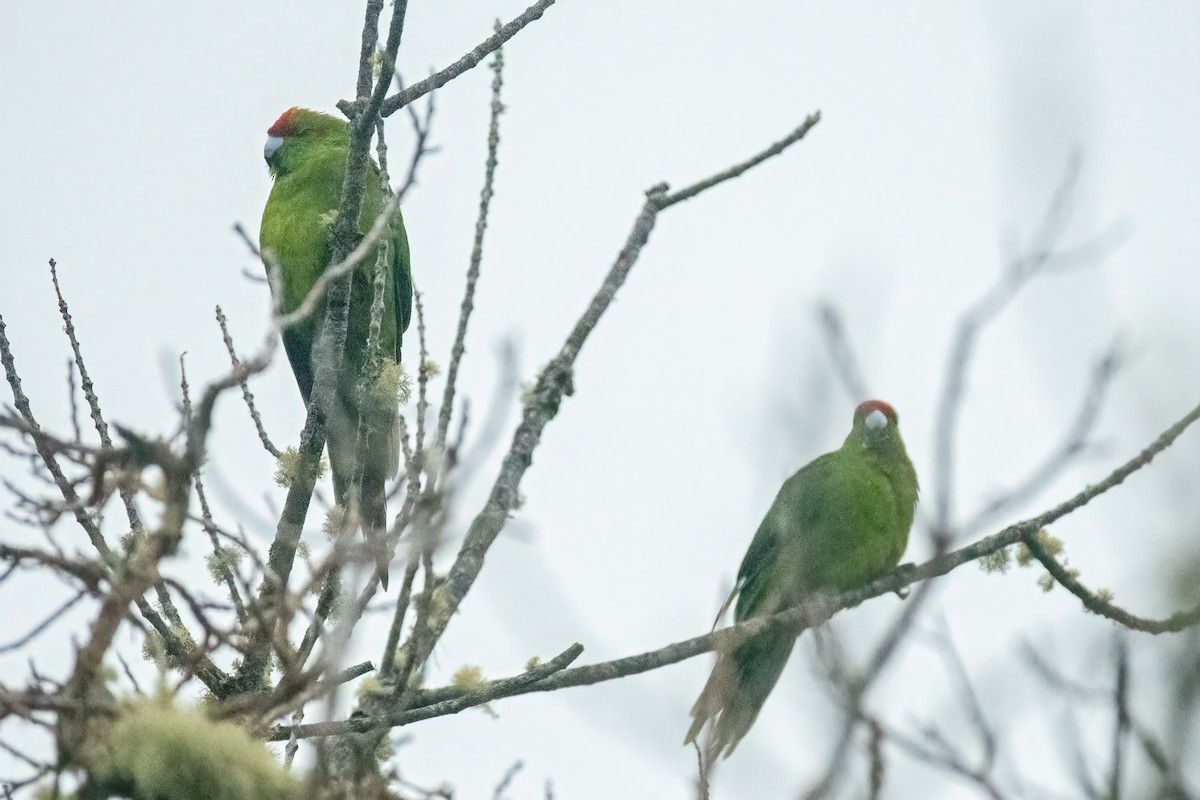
x,y
421,147
247,395
45,624
1041,257
93,401
206,517
845,364
468,61
505,687
468,301
205,669
1121,723
1074,442
1180,620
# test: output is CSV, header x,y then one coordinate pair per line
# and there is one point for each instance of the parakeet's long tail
x,y
378,464
373,517
737,689
381,464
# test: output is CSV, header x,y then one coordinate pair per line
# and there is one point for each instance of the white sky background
x,y
133,143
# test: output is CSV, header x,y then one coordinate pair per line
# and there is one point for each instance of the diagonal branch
x,y
556,381
468,61
1180,620
802,617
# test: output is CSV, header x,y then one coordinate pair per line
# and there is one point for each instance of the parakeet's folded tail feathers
x,y
377,464
373,517
374,498
736,690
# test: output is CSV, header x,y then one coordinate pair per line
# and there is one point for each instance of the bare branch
x,y
845,363
1041,257
1180,620
247,395
1121,724
468,302
206,517
555,381
738,170
468,61
495,690
421,147
1075,441
45,624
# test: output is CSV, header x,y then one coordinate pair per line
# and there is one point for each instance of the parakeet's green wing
x,y
401,281
796,504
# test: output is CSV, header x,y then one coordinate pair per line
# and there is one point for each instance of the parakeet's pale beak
x,y
273,143
876,420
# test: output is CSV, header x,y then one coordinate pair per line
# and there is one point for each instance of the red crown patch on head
x,y
875,405
283,125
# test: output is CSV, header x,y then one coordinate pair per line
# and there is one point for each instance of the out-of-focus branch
x,y
856,688
933,747
939,754
1042,256
1074,442
421,147
1121,724
44,625
841,353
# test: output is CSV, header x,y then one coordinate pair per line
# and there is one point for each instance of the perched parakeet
x,y
306,154
838,523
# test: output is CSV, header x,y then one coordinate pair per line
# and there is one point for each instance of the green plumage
x,y
306,153
838,523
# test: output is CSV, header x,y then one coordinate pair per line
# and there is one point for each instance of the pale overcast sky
x,y
134,143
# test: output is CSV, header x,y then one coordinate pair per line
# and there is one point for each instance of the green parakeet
x,y
306,154
838,523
